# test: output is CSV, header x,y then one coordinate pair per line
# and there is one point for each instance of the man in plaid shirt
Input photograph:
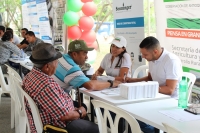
x,y
55,106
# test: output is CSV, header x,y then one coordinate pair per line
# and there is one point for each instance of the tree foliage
x,y
104,12
11,13
149,21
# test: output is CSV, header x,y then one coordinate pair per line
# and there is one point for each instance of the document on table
x,y
180,115
112,91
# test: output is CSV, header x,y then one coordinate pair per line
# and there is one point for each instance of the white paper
x,y
105,78
180,115
113,91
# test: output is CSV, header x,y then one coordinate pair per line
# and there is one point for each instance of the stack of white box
x,y
139,90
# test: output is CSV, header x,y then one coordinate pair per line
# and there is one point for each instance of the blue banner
x,y
40,1
129,22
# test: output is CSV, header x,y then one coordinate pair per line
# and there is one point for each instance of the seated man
x,y
68,72
55,105
33,41
164,67
24,43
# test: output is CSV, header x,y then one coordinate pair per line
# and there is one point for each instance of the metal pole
x,y
65,39
149,21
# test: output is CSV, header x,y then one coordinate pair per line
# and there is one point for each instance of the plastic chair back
x,y
102,118
34,110
18,114
139,69
170,129
192,79
14,73
4,88
7,88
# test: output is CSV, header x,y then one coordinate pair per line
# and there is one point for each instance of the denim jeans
x,y
145,127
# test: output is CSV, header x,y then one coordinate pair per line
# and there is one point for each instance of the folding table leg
x,y
92,110
157,130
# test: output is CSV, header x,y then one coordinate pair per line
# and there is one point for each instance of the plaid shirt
x,y
50,99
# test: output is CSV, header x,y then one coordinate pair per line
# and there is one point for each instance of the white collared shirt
x,y
111,69
168,66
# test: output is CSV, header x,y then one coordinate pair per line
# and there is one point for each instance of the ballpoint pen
x,y
124,76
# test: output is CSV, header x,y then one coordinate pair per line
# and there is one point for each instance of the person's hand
x,y
69,116
94,76
116,83
84,113
128,80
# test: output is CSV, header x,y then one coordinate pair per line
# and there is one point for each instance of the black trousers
x,y
82,126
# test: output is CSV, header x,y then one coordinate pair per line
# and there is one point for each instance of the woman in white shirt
x,y
117,63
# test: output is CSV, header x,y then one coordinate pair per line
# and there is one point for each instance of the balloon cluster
x,y
80,27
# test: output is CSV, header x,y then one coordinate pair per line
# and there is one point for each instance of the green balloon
x,y
70,18
74,5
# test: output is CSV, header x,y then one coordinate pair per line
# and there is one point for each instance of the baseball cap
x,y
44,53
119,41
78,45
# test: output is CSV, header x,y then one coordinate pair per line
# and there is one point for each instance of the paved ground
x,y
5,126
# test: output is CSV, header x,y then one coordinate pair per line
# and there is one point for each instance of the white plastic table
x,y
148,112
115,99
22,63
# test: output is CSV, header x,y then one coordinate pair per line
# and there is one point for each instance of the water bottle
x,y
22,54
183,91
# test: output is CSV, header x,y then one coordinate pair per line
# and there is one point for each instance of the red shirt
x,y
50,99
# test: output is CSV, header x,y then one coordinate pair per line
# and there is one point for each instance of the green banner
x,y
183,23
187,69
173,0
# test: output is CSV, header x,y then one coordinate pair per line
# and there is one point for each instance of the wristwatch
x,y
80,112
111,83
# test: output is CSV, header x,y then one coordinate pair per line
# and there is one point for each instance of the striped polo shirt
x,y
68,73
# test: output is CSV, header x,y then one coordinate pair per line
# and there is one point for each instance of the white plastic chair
x,y
171,129
18,114
6,88
102,118
34,110
142,68
192,79
10,69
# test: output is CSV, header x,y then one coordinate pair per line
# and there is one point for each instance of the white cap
x,y
119,41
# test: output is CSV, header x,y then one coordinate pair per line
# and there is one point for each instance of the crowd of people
x,y
54,74
11,44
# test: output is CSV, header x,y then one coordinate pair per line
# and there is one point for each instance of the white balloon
x,y
91,56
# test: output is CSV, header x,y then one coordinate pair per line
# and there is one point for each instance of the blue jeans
x,y
145,127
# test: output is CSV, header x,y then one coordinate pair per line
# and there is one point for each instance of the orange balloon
x,y
93,45
84,1
86,23
74,32
89,8
88,36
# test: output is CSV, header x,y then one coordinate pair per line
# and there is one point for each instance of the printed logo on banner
x,y
124,8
